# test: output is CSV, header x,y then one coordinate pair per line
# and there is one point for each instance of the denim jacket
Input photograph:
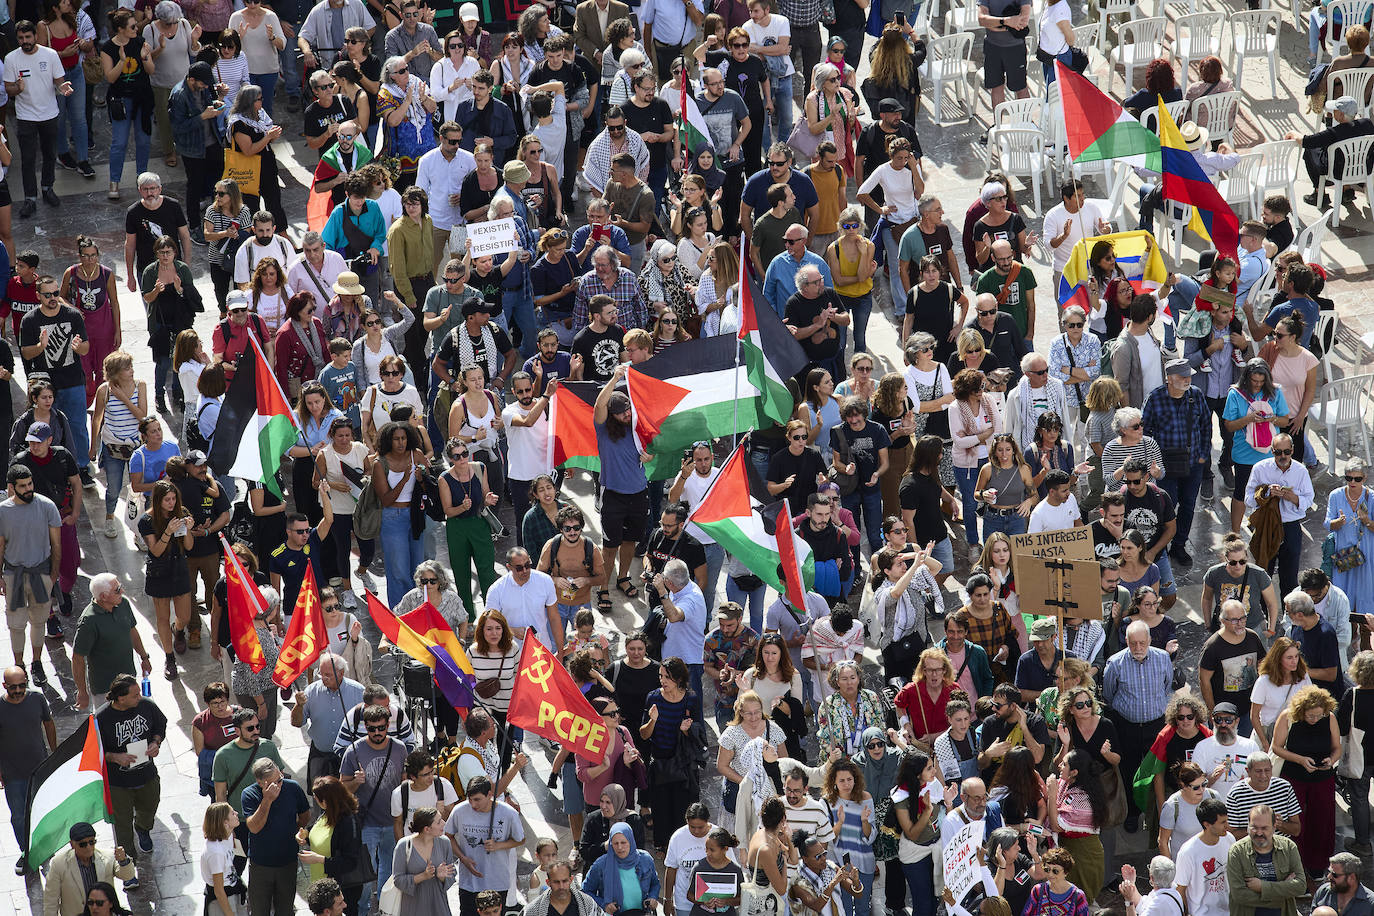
x,y
188,128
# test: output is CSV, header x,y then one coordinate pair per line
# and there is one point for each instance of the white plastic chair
x,y
948,62
1139,42
1280,169
1106,9
1251,37
1342,405
1354,82
1261,295
1238,187
1176,217
1350,12
1310,239
1197,35
1021,151
1324,335
1085,36
1149,118
1011,113
1217,112
962,17
1353,155
924,16
1118,178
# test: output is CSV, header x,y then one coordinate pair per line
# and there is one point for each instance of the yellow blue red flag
x,y
1137,255
1186,183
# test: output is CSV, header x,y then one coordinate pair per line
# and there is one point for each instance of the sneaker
x,y
145,840
553,780
87,478
1181,556
20,867
193,639
1317,469
54,630
111,527
349,599
169,668
65,606
1228,477
1207,489
131,884
179,642
50,198
84,167
37,674
1312,199
28,208
113,193
67,162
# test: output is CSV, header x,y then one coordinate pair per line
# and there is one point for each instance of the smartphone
x,y
901,19
845,860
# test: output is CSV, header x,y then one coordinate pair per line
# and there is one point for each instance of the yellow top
x,y
322,842
828,190
849,268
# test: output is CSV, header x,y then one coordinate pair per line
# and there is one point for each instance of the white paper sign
x,y
962,870
494,237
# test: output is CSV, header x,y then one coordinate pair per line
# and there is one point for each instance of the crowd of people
x,y
853,735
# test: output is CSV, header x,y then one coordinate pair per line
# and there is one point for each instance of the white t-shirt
x,y
382,404
897,190
1051,38
528,445
1045,517
684,852
250,253
1180,817
419,799
1202,870
777,28
1151,364
1082,224
38,101
526,605
1272,698
1208,754
217,859
693,489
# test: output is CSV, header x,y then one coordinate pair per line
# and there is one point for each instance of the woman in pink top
x,y
620,749
1295,371
974,419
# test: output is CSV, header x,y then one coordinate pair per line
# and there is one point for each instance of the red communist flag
x,y
245,603
547,702
305,637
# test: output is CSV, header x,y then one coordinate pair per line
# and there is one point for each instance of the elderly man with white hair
x,y
1001,337
1037,393
686,611
1162,890
816,315
315,270
1136,688
106,640
321,704
1261,787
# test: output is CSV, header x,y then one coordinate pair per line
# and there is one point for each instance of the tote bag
x,y
244,169
1352,753
756,900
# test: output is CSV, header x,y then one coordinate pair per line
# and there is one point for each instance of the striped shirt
x,y
120,426
1114,455
497,666
1278,795
1138,690
813,817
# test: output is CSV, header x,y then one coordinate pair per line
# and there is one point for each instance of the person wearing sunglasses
x,y
66,881
326,116
25,720
373,767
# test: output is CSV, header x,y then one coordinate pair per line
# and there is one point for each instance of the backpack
x,y
194,437
1109,349
438,793
367,514
446,765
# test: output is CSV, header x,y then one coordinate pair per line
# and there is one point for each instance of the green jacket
x,y
1282,894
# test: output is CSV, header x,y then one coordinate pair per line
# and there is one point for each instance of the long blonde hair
x,y
724,267
891,60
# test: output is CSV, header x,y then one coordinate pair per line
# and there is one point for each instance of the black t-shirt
x,y
600,352
318,118
448,350
572,77
147,226
801,312
203,508
654,118
747,78
1179,750
489,286
51,475
862,446
1007,232
1105,544
1281,234
995,729
806,466
57,360
1149,514
471,196
873,140
165,566
119,728
1235,668
892,424
933,311
922,493
939,244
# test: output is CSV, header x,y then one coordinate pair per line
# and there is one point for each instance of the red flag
x,y
547,702
245,604
305,637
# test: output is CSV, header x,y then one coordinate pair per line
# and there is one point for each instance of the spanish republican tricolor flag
x,y
68,787
256,424
425,636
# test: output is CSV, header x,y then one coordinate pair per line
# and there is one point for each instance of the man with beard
x,y
325,117
1290,481
150,218
55,476
829,548
372,768
528,600
625,489
669,540
1223,755
527,438
561,899
596,348
31,564
344,157
265,243
1264,873
1343,892
34,78
1150,511
1230,663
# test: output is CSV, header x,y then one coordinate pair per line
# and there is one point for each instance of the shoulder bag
x,y
1352,557
363,870
801,139
1351,765
489,687
756,900
367,514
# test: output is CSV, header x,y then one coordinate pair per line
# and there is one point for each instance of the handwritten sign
x,y
494,237
1065,543
962,869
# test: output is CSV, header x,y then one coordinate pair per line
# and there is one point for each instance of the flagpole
x,y
739,342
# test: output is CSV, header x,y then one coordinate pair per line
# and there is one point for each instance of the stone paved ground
x,y
954,166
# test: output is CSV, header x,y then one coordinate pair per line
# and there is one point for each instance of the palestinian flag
x,y
256,424
573,443
1098,128
771,354
68,787
716,886
760,535
1153,765
695,134
321,203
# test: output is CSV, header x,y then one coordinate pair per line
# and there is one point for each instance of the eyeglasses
x,y
221,193
612,712
667,321
572,527
1074,324
863,368
739,44
377,729
391,373
519,567
19,686
983,313
998,197
250,728
453,46
1277,451
1185,717
353,41
1234,619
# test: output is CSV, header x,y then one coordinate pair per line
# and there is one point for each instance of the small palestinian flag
x,y
574,433
716,886
67,788
256,424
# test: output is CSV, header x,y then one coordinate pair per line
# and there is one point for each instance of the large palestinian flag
x,y
1097,128
573,443
760,535
256,425
68,787
771,354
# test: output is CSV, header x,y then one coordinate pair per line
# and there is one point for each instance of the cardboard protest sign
x,y
493,237
1056,572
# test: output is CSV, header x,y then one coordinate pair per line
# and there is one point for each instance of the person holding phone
x,y
166,531
1307,739
818,879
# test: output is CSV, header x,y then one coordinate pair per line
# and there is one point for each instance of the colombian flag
x,y
1185,182
1137,255
425,636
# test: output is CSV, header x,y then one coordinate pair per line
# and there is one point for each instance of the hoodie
x,y
604,881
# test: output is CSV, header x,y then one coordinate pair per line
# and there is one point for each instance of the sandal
x,y
603,602
627,588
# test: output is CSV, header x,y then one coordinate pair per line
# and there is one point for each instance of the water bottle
x,y
146,686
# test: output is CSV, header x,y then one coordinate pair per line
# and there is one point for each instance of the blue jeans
x,y
863,904
1315,20
72,402
893,248
291,64
71,115
401,552
920,880
521,311
782,110
967,479
944,552
17,797
1007,524
752,602
267,82
866,504
115,470
380,843
694,674
860,308
119,145
1183,491
715,559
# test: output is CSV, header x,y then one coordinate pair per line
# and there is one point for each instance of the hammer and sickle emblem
x,y
298,649
540,671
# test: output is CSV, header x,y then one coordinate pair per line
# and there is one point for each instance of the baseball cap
x,y
889,104
203,72
196,457
38,432
1346,105
1228,708
236,300
468,13
1178,367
